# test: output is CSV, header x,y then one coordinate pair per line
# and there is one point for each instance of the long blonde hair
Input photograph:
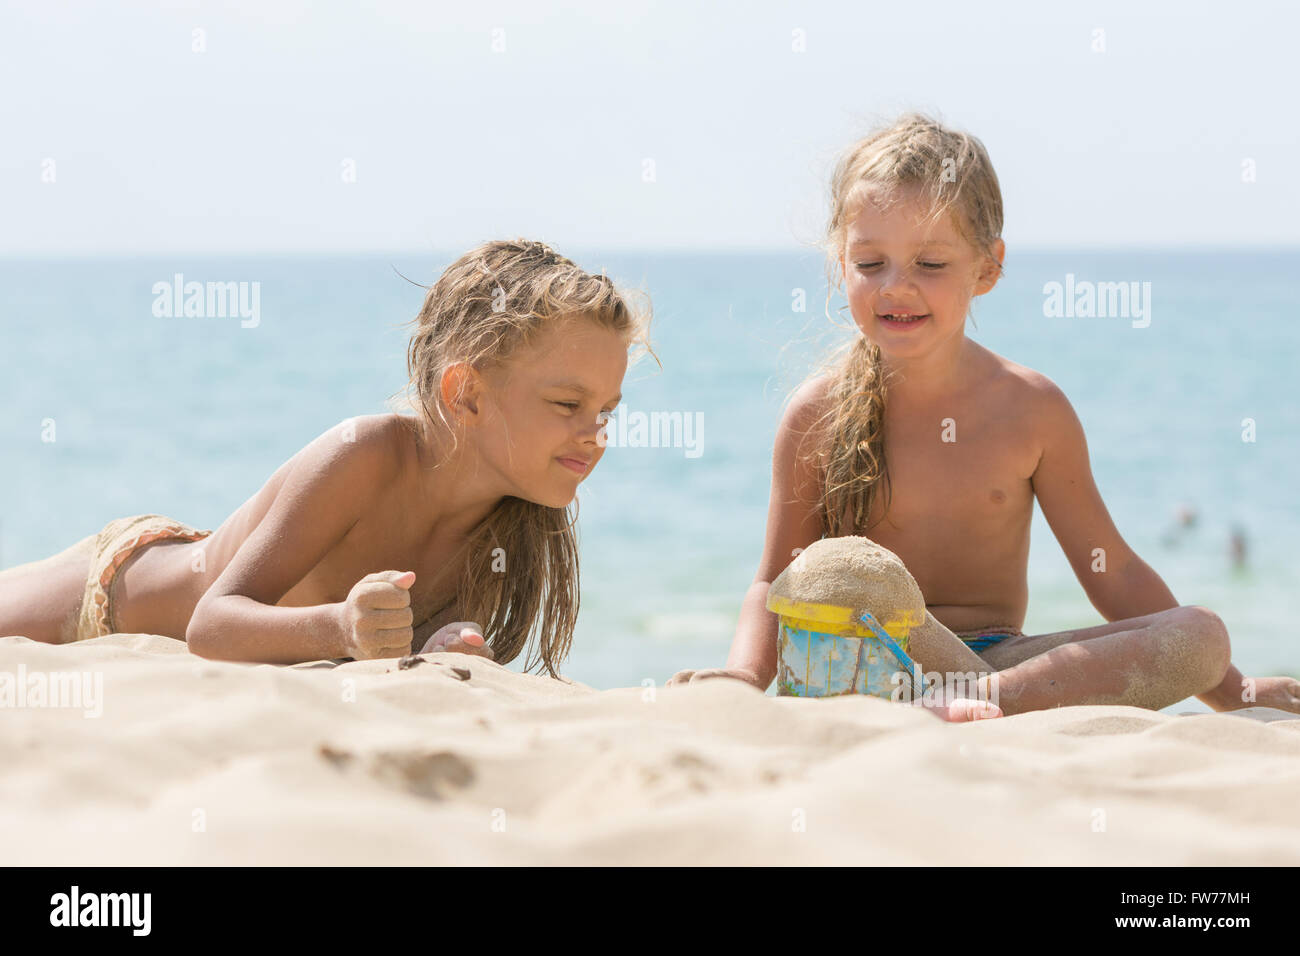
x,y
486,305
953,170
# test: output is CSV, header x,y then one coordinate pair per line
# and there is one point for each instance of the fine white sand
x,y
194,761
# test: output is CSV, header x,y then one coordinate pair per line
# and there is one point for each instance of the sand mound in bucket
x,y
854,573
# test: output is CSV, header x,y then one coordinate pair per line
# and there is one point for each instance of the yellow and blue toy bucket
x,y
825,651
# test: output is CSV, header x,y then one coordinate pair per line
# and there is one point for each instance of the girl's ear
x,y
460,388
991,269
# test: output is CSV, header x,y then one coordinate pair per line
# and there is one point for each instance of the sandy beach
x,y
457,760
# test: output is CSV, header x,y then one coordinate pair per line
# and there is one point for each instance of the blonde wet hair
x,y
488,304
950,171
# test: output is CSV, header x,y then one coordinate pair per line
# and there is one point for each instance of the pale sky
x,y
242,148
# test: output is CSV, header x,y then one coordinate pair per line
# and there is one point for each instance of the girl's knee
x,y
1212,630
1205,620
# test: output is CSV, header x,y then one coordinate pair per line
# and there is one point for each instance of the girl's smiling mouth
x,y
579,465
902,320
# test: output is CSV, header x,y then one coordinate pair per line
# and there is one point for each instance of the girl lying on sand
x,y
516,359
945,472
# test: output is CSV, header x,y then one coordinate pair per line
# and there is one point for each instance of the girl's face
x,y
909,285
542,411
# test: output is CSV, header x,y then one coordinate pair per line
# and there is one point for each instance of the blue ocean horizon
x,y
188,416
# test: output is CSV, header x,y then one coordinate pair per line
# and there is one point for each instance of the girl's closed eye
x,y
603,414
924,265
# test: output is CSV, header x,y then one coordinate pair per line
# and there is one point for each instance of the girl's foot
x,y
1280,692
960,709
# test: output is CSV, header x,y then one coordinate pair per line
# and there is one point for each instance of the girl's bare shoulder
x,y
1031,395
1020,381
366,449
808,403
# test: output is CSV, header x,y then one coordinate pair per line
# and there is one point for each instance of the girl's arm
x,y
327,489
1119,583
792,524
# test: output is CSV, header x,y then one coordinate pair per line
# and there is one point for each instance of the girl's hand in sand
x,y
377,616
463,637
691,677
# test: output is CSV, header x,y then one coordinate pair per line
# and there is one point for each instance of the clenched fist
x,y
377,617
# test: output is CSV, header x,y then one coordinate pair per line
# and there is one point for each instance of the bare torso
x,y
157,589
959,512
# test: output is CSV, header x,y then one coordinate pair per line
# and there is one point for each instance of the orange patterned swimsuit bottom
x,y
114,545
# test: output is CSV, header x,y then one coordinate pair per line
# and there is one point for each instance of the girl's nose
x,y
590,432
896,277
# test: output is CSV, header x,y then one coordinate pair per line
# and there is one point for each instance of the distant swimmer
x,y
1237,547
1185,518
